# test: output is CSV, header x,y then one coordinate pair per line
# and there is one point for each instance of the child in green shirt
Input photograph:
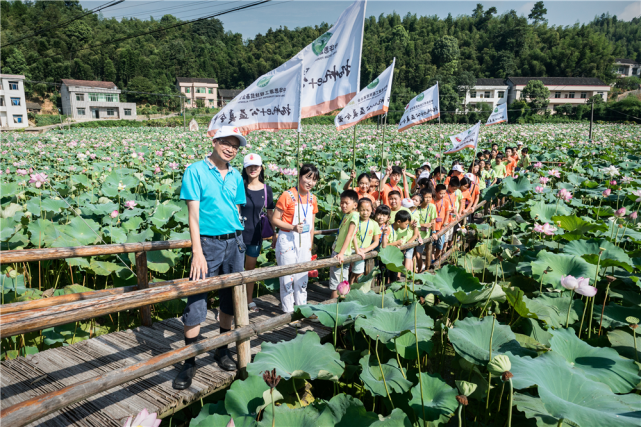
x,y
395,204
346,242
367,236
400,233
500,171
424,215
487,175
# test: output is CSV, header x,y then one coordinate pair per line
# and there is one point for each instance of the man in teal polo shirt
x,y
214,192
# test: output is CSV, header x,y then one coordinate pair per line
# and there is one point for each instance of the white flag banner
x,y
466,139
270,103
332,64
372,101
499,115
422,108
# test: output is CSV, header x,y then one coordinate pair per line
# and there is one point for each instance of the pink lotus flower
x,y
620,212
544,180
580,285
554,173
19,172
114,214
626,179
143,419
613,182
545,228
638,194
539,189
633,215
157,170
130,204
173,165
538,165
343,288
607,192
564,194
38,178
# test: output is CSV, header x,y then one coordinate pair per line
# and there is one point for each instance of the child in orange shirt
x,y
442,217
395,173
363,186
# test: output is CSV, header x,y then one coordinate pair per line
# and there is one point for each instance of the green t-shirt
x,y
348,219
500,171
366,232
525,162
485,174
402,235
392,216
425,216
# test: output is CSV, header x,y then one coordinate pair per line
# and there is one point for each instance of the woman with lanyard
x,y
260,202
295,213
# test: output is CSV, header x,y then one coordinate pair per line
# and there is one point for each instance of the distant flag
x,y
372,101
422,108
270,103
499,115
466,139
332,64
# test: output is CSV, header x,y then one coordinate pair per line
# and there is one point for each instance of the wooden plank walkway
x,y
53,369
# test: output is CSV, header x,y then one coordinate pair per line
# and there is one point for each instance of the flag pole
x,y
300,237
354,155
380,180
440,149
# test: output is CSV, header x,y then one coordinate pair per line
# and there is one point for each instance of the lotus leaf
x,y
559,265
533,407
517,188
393,258
303,357
370,299
545,211
163,214
471,340
439,399
623,342
132,225
567,393
599,364
552,308
373,380
589,250
576,227
327,312
614,315
397,418
534,330
390,323
405,346
446,282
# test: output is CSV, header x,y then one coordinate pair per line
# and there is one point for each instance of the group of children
x,y
378,213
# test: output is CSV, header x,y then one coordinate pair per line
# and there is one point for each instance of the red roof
x,y
89,83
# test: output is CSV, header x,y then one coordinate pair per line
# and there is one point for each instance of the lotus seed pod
x,y
465,388
632,319
429,299
462,400
12,273
465,364
499,364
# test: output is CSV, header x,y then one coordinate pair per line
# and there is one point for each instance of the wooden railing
x,y
29,317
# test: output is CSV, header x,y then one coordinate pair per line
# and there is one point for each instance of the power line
x,y
66,23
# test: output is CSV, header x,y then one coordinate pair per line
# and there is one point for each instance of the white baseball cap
x,y
252,160
470,176
423,175
519,143
458,168
407,203
427,164
230,131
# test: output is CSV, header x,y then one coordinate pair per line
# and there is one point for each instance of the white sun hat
x,y
407,203
252,160
458,168
230,131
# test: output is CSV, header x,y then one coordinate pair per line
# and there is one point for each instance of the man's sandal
x,y
252,307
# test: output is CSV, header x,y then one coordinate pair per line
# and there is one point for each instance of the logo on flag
x,y
458,139
264,81
373,84
424,107
319,44
420,97
466,139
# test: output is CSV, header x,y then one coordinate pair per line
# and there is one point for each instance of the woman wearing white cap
x,y
260,203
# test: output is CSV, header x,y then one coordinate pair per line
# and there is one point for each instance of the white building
x,y
13,106
92,100
626,68
487,91
563,90
196,89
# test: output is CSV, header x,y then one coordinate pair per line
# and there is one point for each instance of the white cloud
x,y
526,8
633,10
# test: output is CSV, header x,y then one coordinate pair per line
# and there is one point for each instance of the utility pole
x,y
591,120
184,124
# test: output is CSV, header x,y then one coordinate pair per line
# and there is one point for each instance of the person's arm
x,y
357,249
348,241
385,237
405,188
373,245
199,263
277,219
415,236
311,230
348,184
381,182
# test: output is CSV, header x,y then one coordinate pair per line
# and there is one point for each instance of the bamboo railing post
x,y
143,283
241,318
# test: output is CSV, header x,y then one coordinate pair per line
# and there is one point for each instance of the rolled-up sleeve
x,y
190,188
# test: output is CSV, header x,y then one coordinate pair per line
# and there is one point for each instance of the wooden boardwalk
x,y
53,369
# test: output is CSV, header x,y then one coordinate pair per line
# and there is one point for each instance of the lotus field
x,y
535,325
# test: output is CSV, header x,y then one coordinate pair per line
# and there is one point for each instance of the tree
x,y
109,71
465,82
538,12
141,84
445,50
16,64
537,94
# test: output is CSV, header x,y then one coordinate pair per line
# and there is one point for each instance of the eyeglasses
x,y
229,144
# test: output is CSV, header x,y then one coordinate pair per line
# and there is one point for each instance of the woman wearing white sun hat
x,y
260,202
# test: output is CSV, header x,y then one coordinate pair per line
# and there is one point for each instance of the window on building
x,y
103,97
187,101
127,111
501,94
187,90
472,94
557,95
1,101
635,71
487,94
110,112
17,119
211,102
15,101
80,97
572,95
621,70
13,86
81,111
201,90
211,90
584,95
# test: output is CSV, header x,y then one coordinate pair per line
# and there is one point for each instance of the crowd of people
x,y
231,212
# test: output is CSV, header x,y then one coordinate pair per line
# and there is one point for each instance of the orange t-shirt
x,y
388,189
375,194
364,195
442,207
287,205
511,165
468,197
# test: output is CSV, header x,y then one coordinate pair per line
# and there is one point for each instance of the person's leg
x,y
358,269
302,279
250,264
286,255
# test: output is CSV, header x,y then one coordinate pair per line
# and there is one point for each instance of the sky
x,y
301,13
